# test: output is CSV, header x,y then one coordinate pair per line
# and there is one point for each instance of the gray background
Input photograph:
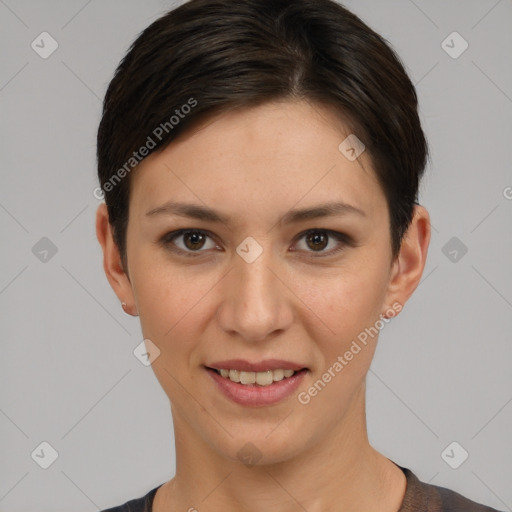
x,y
68,375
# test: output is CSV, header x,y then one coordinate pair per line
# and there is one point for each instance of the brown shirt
x,y
419,497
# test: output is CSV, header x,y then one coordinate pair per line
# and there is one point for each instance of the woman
x,y
260,161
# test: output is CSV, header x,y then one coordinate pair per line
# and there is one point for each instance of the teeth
x,y
247,377
260,378
234,375
264,378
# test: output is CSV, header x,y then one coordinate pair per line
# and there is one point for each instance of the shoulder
x,y
433,498
143,504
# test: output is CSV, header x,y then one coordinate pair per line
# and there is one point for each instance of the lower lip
x,y
256,395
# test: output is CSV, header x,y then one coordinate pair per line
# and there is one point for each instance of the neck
x,y
342,472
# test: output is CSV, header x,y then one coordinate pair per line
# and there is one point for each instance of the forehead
x,y
275,154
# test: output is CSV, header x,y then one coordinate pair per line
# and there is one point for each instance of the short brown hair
x,y
224,54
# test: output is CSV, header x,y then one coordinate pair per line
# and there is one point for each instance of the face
x,y
264,271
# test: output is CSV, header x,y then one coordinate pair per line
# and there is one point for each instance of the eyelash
x,y
168,239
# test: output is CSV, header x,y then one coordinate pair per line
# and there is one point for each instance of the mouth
x,y
264,378
262,373
256,384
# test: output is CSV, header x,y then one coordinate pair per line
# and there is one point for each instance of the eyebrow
x,y
200,212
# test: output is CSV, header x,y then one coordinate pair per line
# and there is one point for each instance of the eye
x,y
193,242
189,241
318,240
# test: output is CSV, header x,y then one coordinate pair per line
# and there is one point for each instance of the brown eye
x,y
194,240
189,242
317,240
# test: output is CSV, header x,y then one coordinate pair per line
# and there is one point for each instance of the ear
x,y
118,279
408,266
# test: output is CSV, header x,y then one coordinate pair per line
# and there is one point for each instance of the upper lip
x,y
247,366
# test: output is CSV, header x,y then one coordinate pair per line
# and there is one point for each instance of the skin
x,y
255,166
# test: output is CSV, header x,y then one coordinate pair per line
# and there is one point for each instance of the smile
x,y
256,389
265,378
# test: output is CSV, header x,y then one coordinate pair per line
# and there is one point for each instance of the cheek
x,y
349,304
174,306
171,311
163,295
168,304
347,300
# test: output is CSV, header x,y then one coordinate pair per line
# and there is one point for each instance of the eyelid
x,y
168,239
342,239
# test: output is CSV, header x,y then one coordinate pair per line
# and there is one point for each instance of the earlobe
x,y
410,262
112,265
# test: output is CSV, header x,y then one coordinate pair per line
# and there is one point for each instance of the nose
x,y
256,304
